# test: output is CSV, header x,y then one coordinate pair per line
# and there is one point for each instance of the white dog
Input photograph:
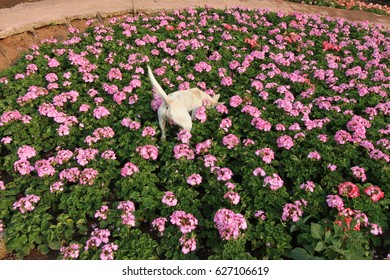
x,y
177,105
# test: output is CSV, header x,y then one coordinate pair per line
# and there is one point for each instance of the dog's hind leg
x,y
161,120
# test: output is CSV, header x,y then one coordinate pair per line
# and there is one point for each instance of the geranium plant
x,y
294,162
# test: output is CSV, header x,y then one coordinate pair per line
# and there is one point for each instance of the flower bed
x,y
349,5
295,164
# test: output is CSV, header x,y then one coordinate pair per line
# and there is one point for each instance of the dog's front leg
x,y
193,113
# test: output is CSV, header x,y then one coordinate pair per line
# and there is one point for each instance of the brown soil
x,y
12,3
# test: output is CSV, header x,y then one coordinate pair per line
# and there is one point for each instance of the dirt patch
x,y
12,3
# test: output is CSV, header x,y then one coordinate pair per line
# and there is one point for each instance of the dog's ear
x,y
216,97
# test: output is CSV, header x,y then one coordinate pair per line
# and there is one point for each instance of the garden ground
x,y
24,24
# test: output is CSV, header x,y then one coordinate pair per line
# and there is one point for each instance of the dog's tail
x,y
157,87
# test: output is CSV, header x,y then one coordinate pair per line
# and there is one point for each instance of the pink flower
x,y
229,223
359,172
224,174
202,66
230,141
57,187
129,169
261,215
308,186
88,176
70,252
375,229
2,186
261,124
183,150
27,203
233,197
26,152
109,154
259,171
274,182
189,244
23,167
100,112
108,251
235,101
209,160
43,167
267,155
227,81
194,179
314,155
159,224
225,124
169,199
334,201
184,136
203,147
332,167
341,137
285,142
128,209
102,212
293,211
186,222
70,174
148,131
148,152
201,114
114,74
6,140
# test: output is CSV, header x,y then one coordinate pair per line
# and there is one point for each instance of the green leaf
x,y
43,249
320,246
55,245
300,254
317,231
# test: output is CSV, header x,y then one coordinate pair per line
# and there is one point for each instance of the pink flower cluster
x,y
183,150
108,251
293,211
186,223
267,155
128,209
70,252
27,203
33,92
194,179
98,134
148,152
12,116
102,213
274,182
133,125
84,156
230,141
129,169
159,224
169,199
229,223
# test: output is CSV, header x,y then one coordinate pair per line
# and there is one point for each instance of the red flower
x,y
348,189
375,193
